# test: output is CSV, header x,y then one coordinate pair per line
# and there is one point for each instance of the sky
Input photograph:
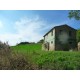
x,y
30,25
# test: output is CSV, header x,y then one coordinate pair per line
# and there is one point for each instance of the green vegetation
x,y
27,47
78,35
74,14
30,56
41,41
52,60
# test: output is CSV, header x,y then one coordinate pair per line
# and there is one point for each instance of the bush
x,y
10,60
4,48
19,62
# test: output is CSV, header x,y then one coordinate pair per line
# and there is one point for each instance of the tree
x,y
23,43
41,41
78,35
74,14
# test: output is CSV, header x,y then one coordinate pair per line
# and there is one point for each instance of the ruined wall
x,y
64,41
50,39
78,46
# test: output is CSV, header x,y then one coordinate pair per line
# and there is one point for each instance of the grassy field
x,y
49,60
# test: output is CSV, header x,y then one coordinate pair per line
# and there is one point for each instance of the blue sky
x,y
31,25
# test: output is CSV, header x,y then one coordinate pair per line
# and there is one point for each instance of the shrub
x,y
4,54
11,60
4,48
19,62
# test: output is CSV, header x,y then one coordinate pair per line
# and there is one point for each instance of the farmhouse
x,y
61,37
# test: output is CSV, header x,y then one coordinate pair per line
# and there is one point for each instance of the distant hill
x,y
24,43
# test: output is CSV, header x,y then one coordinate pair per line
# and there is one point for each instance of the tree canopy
x,y
74,14
41,41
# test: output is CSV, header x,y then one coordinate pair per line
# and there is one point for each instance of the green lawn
x,y
60,60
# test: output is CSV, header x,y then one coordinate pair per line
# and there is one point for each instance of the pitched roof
x,y
57,27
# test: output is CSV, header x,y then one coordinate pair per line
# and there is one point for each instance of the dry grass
x,y
10,60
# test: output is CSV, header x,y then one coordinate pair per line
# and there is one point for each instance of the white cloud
x,y
28,29
1,24
11,38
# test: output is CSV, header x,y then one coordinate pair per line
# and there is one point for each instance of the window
x,y
52,33
44,37
70,33
51,42
70,42
60,31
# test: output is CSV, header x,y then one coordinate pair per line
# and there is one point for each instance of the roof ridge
x,y
58,26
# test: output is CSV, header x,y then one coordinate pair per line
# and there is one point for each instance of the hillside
x,y
55,60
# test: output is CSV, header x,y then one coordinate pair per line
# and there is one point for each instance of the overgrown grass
x,y
53,60
28,47
59,60
30,56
